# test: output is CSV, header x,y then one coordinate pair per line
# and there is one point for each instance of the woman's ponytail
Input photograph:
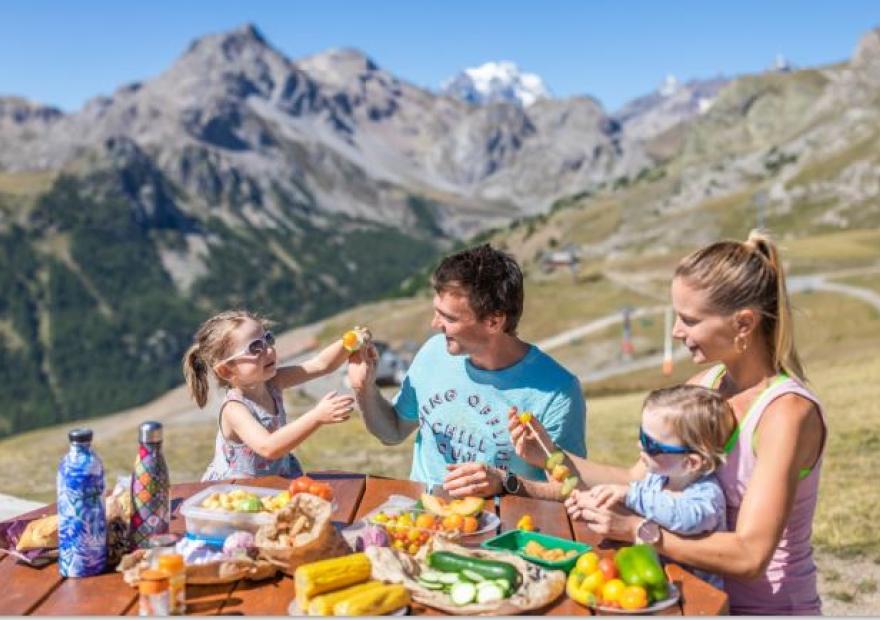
x,y
749,274
195,371
785,355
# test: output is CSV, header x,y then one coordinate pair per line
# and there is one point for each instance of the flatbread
x,y
539,586
39,534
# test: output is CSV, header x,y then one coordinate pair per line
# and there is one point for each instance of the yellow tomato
x,y
588,562
453,522
593,582
633,597
381,518
612,590
469,525
526,523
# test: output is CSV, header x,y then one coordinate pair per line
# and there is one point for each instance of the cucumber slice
x,y
504,585
490,593
430,575
431,585
447,578
463,593
472,576
557,457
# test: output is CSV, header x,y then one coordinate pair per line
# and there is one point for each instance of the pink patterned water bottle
x,y
150,487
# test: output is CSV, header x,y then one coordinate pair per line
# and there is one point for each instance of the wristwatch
x,y
511,483
647,532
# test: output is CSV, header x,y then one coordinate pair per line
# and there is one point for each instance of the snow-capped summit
x,y
497,81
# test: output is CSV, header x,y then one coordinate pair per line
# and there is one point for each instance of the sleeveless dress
x,y
237,460
788,585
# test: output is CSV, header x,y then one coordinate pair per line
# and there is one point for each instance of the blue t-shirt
x,y
462,409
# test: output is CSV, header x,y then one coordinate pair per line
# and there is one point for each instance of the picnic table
x,y
43,591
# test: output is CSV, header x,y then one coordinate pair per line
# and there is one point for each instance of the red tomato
x,y
300,485
606,565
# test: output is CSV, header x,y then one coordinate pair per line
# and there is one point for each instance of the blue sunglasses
x,y
654,447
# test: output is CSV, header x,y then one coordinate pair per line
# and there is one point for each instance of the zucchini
x,y
463,593
447,561
431,585
447,578
471,575
489,593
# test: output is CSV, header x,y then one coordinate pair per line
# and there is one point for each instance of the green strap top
x,y
716,375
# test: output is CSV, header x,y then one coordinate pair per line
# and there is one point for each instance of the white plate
x,y
294,610
669,601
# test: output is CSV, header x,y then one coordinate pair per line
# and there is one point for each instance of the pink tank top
x,y
788,586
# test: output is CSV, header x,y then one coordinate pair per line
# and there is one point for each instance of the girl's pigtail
x,y
196,373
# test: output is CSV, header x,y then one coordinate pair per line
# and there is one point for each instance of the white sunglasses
x,y
254,348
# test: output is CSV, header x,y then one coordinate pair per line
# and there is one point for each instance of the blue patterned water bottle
x,y
82,524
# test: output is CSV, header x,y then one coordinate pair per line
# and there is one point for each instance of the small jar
x,y
154,595
172,564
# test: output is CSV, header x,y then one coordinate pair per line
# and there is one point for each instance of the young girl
x,y
682,438
254,437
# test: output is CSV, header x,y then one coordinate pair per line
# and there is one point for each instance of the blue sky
x,y
64,52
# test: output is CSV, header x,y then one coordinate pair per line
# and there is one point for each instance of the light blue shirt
x,y
462,409
700,507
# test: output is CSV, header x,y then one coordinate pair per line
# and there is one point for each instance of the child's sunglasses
x,y
654,447
254,348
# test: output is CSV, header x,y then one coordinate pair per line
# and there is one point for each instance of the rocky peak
x,y
338,67
868,50
20,111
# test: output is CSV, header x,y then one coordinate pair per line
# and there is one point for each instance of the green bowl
x,y
515,541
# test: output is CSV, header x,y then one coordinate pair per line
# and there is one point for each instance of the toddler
x,y
684,429
254,437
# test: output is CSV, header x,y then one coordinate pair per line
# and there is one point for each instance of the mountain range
x,y
300,187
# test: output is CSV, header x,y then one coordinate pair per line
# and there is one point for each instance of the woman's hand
x,y
333,408
616,522
362,368
525,439
466,479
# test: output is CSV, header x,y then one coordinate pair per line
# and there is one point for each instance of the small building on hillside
x,y
565,258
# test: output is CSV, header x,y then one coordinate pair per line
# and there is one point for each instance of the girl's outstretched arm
x,y
238,423
325,362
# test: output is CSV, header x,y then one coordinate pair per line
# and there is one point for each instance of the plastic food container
x,y
216,525
516,540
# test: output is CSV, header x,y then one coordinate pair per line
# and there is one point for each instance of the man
x,y
464,380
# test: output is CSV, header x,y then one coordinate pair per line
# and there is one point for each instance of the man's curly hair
x,y
491,279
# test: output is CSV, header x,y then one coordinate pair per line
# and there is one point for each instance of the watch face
x,y
511,483
649,532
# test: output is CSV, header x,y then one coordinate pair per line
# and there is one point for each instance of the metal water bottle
x,y
82,524
150,487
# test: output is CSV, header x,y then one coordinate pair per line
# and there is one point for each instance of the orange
x,y
469,525
633,597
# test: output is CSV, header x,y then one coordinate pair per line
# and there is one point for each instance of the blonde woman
x,y
733,313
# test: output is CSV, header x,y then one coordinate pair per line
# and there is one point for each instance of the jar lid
x,y
80,435
171,562
153,581
150,432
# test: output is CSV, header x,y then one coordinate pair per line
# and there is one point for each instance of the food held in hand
x,y
526,522
568,485
354,339
525,417
557,457
560,473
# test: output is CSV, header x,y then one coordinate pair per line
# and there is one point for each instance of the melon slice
x,y
556,458
468,506
435,505
560,473
568,485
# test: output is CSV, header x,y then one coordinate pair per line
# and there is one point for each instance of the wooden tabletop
x,y
42,591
